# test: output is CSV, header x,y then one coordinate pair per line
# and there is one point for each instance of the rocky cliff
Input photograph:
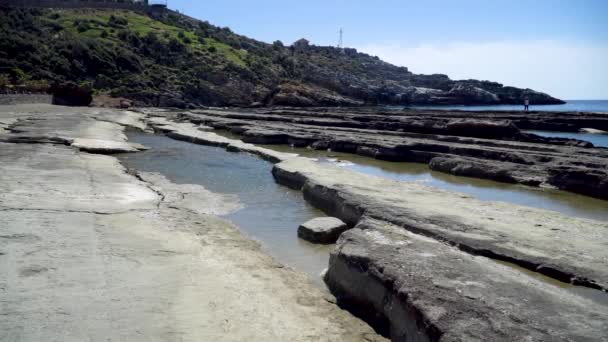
x,y
179,61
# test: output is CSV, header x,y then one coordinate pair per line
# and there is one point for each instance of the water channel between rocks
x,y
271,213
564,202
486,190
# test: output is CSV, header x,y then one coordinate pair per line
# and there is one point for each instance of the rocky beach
x,y
415,262
395,171
89,251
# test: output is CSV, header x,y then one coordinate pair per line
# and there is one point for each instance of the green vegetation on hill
x,y
180,61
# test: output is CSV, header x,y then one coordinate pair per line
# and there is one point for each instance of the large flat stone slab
x,y
567,248
94,130
195,134
89,252
423,290
47,177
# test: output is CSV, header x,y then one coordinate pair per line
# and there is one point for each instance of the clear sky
x,y
556,46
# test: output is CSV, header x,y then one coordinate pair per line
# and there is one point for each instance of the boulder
x,y
590,182
468,167
70,94
324,230
492,129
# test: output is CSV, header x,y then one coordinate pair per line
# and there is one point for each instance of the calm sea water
x,y
572,105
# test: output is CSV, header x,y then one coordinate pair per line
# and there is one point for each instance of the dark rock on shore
x,y
590,182
70,94
471,168
482,128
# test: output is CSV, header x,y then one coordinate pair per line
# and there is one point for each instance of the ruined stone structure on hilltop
x,y
134,5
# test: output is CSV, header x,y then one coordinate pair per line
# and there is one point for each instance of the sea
x,y
598,106
570,106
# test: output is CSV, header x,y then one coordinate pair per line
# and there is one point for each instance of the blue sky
x,y
556,46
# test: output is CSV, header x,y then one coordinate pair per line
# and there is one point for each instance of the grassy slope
x,y
141,25
178,60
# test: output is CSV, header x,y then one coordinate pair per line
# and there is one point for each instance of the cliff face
x,y
180,61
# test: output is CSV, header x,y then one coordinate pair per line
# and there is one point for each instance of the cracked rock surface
x,y
564,247
89,252
424,290
412,265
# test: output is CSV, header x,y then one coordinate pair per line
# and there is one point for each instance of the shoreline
x,y
352,209
91,252
394,225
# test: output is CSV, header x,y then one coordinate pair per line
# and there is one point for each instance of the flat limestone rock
x,y
420,289
59,178
325,230
567,248
194,134
105,146
88,252
512,155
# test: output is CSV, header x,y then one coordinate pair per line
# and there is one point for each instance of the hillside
x,y
179,61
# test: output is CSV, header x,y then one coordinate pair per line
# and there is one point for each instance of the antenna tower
x,y
341,40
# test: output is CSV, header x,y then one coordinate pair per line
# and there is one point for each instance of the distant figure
x,y
527,104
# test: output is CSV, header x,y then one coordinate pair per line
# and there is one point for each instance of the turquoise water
x,y
599,140
571,106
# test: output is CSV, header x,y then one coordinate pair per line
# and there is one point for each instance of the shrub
x,y
4,81
55,27
17,76
117,21
176,46
104,34
212,49
83,26
38,86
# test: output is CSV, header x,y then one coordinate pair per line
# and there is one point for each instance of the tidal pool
x,y
271,213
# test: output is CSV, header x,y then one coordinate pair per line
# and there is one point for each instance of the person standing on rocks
x,y
527,104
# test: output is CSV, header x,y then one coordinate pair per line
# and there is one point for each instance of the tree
x,y
4,81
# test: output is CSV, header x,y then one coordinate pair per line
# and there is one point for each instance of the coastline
x,y
141,226
89,251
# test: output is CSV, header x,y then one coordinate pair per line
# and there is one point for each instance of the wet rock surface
x,y
325,230
543,241
414,266
419,289
483,145
89,251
